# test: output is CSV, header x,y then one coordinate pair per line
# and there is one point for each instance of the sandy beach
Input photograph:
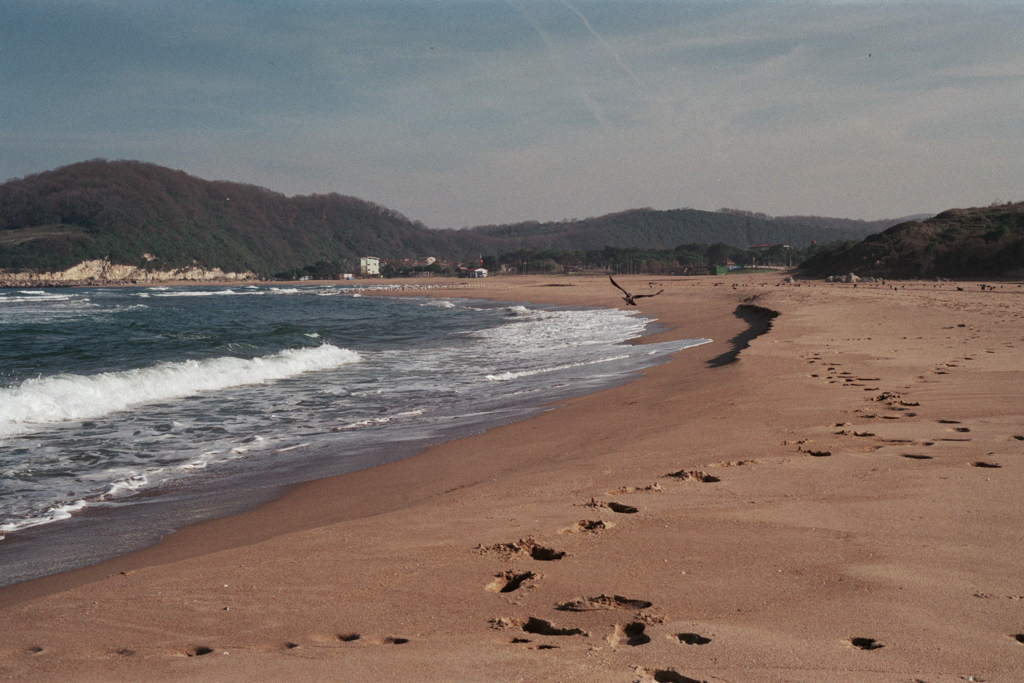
x,y
840,503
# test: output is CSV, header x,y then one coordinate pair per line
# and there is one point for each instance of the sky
x,y
473,112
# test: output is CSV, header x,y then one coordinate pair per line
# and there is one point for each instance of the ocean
x,y
126,413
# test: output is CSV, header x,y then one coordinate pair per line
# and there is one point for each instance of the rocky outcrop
x,y
105,272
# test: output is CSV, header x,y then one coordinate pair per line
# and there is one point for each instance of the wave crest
x,y
66,398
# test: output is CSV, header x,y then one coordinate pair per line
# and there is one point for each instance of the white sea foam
x,y
57,512
64,398
36,297
513,374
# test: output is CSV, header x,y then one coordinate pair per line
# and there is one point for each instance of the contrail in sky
x,y
595,109
607,46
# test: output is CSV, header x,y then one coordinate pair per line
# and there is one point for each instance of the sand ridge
x,y
840,503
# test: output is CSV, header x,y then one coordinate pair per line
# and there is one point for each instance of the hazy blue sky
x,y
474,112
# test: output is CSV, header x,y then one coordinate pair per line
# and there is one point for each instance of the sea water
x,y
203,400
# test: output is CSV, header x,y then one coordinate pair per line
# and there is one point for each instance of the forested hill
x,y
977,242
141,214
648,228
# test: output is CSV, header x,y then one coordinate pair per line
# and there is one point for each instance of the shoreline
x,y
270,494
792,522
95,535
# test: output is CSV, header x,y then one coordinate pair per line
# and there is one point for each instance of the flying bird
x,y
630,299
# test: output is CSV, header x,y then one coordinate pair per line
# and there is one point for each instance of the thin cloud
x,y
622,65
578,89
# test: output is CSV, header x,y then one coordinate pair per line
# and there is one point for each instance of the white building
x,y
479,272
369,266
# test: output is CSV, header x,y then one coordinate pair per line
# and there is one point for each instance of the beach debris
x,y
602,602
630,299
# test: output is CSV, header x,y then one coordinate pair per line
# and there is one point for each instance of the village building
x,y
369,266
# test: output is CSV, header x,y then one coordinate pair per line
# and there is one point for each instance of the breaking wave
x,y
65,398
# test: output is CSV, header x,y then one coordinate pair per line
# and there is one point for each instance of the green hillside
x,y
122,210
976,242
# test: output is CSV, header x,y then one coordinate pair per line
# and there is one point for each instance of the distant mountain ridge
x,y
154,218
649,228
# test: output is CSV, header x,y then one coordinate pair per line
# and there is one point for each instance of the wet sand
x,y
841,503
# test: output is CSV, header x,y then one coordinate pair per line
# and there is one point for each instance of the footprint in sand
x,y
631,634
198,651
695,475
524,546
653,488
1019,637
602,602
614,507
691,638
510,581
665,676
542,627
539,646
866,643
355,637
982,463
913,456
587,525
392,640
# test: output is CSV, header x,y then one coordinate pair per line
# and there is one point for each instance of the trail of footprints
x,y
894,407
955,432
621,633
